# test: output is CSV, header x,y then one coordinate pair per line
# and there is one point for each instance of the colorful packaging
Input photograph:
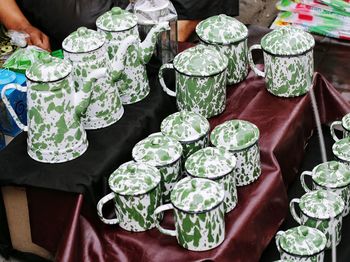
x,y
17,99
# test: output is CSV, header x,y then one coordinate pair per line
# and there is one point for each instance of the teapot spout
x,y
117,66
147,46
82,98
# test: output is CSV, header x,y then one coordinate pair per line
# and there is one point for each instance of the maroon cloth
x,y
70,227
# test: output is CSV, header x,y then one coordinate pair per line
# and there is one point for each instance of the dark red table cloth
x,y
66,225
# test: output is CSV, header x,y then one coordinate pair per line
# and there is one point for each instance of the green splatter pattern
x,y
189,128
318,207
289,76
217,165
301,243
83,40
241,138
165,154
117,25
228,36
334,176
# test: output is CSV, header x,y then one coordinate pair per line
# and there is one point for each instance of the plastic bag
x,y
151,12
22,58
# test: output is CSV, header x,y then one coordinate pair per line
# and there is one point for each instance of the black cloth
x,y
312,158
108,148
57,19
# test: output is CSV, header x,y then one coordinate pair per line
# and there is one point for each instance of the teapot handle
x,y
302,180
251,62
333,125
162,230
161,79
100,205
8,105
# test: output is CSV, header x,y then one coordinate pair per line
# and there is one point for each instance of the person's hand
x,y
37,38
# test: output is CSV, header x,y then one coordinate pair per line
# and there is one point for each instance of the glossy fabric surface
x,y
67,224
285,126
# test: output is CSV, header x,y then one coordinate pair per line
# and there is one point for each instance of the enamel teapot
x,y
118,24
55,131
87,51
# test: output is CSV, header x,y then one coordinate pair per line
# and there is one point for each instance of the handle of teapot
x,y
332,127
8,105
161,79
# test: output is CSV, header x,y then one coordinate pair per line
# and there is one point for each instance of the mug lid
x,y
235,135
346,121
157,150
185,126
210,162
221,29
133,178
200,60
303,241
116,19
321,204
341,149
197,195
7,76
83,40
287,40
331,174
49,69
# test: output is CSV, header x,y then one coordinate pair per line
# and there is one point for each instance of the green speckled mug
x,y
302,244
320,209
199,214
136,194
289,64
345,124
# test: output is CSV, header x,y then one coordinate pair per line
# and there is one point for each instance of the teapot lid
x,y
200,60
185,126
346,121
83,40
321,204
157,150
133,178
7,76
287,40
197,195
332,174
116,19
341,149
221,29
235,135
303,241
210,162
49,69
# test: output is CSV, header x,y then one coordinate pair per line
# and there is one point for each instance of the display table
x,y
62,197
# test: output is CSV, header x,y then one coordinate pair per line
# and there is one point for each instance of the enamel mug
x,y
289,63
136,193
199,214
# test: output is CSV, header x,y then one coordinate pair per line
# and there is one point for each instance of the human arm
x,y
13,19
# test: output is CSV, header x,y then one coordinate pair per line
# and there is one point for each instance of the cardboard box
x,y
16,205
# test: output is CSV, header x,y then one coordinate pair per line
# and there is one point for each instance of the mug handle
x,y
292,210
100,205
162,230
333,125
161,79
277,238
8,105
251,62
302,180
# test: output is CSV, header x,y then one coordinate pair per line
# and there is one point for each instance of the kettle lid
x,y
116,20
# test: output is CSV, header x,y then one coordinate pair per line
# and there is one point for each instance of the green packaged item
x,y
58,53
22,58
